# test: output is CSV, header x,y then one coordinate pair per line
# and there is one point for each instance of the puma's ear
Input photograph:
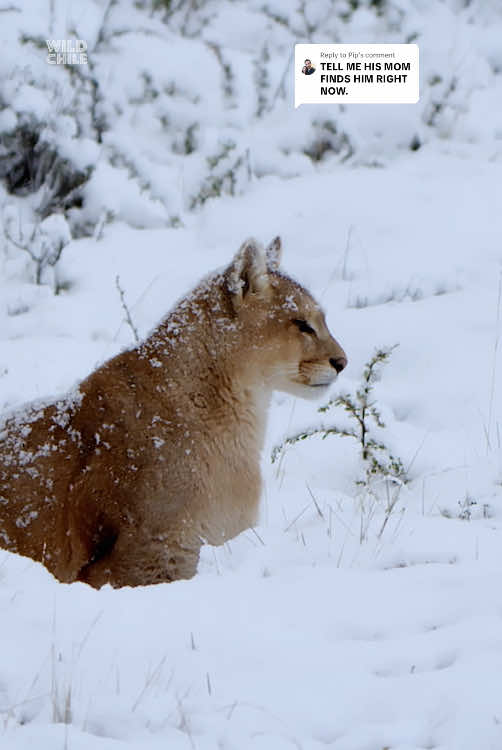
x,y
274,253
248,272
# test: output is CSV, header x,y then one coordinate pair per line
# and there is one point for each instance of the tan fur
x,y
158,450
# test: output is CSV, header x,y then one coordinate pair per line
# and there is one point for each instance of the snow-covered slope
x,y
194,100
298,635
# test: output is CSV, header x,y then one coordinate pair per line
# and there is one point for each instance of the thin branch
x,y
321,514
126,310
280,88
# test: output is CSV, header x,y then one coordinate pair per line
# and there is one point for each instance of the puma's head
x,y
284,330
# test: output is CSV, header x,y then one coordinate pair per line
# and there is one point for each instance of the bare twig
x,y
300,514
321,514
126,310
154,675
257,536
280,88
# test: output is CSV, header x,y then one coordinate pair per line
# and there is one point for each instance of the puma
x,y
158,450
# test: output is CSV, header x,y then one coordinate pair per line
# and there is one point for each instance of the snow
x,y
327,626
308,637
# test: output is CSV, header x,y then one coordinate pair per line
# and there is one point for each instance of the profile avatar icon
x,y
308,68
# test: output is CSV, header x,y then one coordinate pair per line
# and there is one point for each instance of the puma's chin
x,y
310,391
316,391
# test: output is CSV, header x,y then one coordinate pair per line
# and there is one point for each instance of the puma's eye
x,y
303,326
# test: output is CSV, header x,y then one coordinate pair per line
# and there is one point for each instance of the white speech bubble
x,y
356,74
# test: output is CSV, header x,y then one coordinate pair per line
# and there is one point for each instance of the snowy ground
x,y
298,635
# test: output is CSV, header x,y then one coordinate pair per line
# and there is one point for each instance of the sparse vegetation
x,y
227,172
42,241
380,467
31,164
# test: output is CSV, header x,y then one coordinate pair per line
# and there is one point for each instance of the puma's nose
x,y
339,363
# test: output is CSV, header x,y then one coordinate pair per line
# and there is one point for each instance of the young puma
x,y
158,450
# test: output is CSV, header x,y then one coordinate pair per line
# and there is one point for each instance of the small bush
x,y
28,163
380,466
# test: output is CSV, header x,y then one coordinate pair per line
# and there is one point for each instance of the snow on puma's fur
x,y
158,450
